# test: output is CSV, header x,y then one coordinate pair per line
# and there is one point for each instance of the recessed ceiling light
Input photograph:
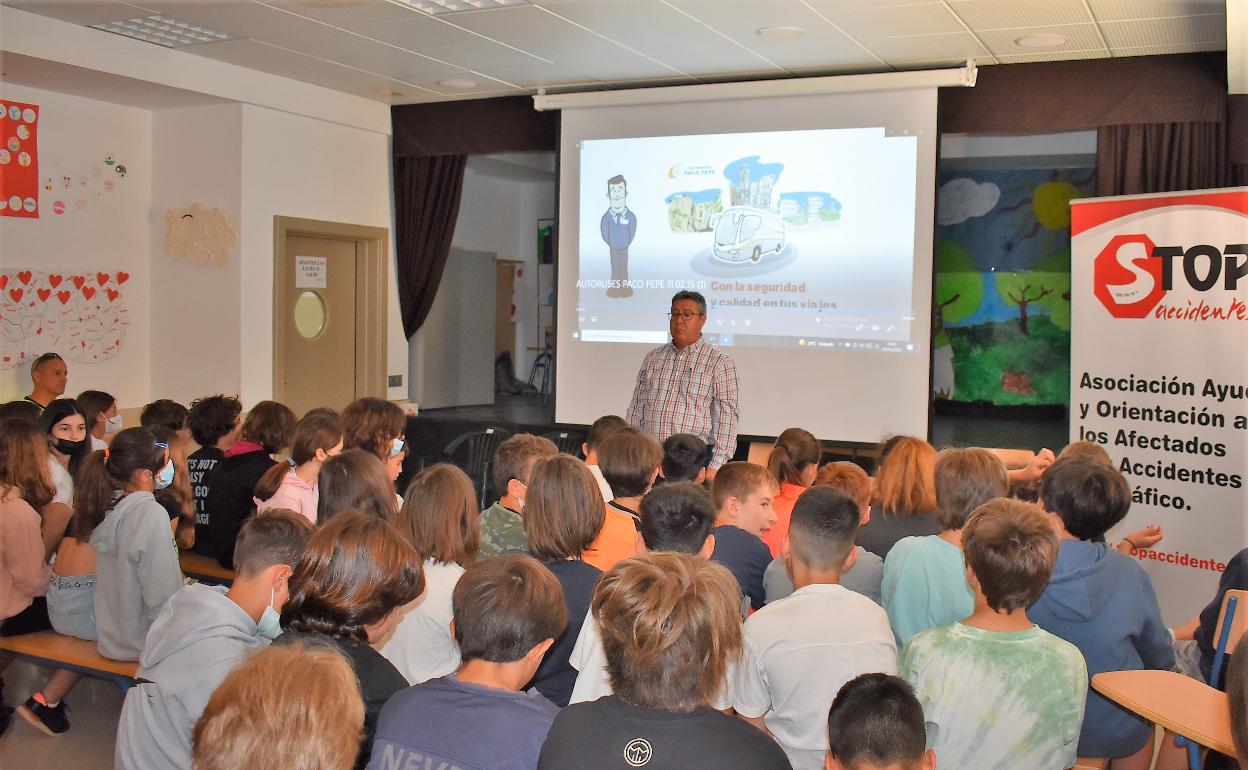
x,y
459,83
163,31
1040,41
438,7
780,33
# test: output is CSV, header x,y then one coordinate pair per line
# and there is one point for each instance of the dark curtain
x,y
1160,157
426,207
473,127
1237,140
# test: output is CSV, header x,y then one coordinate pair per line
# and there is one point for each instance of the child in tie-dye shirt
x,y
999,691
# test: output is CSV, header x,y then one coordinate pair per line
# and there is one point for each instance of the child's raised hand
x,y
1145,538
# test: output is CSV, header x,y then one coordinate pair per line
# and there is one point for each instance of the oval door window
x,y
309,315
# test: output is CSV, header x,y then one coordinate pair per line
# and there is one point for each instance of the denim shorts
x,y
71,605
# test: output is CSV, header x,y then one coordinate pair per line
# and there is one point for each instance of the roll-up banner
x,y
1159,373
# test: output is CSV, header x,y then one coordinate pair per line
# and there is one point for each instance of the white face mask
x,y
112,425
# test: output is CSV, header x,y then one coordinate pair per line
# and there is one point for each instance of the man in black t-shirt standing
x,y
215,423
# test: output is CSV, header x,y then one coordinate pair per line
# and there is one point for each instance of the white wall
x,y
449,365
110,233
301,167
196,337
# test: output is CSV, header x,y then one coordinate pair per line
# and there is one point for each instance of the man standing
x,y
619,226
50,375
687,386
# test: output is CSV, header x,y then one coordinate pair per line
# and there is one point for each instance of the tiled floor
x,y
94,707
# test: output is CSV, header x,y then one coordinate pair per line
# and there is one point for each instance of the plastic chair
x,y
1229,630
568,441
473,452
541,363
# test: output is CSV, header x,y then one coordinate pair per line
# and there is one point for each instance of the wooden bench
x,y
48,648
205,569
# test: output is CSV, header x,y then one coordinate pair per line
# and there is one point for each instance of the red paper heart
x,y
63,296
16,294
123,276
55,280
39,330
79,281
101,278
88,291
112,295
4,281
44,294
6,358
24,276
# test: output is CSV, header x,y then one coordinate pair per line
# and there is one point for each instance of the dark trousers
x,y
619,265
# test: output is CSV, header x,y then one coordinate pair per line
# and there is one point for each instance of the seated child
x,y
507,612
675,518
743,494
865,575
876,723
201,635
604,426
925,576
502,524
800,650
669,624
629,459
136,562
1001,692
1100,600
685,458
316,722
215,423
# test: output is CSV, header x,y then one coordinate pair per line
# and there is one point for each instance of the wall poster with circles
x,y
19,159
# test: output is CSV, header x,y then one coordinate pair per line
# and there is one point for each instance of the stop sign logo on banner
x,y
1159,373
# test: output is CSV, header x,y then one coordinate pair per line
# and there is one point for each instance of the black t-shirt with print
x,y
609,734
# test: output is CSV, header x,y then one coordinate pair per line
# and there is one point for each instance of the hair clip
x,y
105,453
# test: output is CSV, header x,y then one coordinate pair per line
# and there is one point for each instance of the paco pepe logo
x,y
638,752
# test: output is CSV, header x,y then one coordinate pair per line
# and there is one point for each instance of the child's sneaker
x,y
50,720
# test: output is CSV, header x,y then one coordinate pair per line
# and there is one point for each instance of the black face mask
x,y
67,447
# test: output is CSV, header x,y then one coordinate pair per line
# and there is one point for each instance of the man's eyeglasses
x,y
683,316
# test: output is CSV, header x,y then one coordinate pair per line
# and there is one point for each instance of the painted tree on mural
x,y
959,288
1033,287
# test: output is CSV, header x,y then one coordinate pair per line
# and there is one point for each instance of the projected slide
x,y
796,238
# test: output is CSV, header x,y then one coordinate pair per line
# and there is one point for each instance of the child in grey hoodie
x,y
136,567
200,636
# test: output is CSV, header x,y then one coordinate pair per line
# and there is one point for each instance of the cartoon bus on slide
x,y
746,233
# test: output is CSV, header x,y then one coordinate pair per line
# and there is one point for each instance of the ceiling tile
x,y
86,13
1005,14
663,33
1079,37
822,45
1122,10
480,56
599,58
509,24
418,32
926,47
278,61
1174,31
1052,56
258,22
892,21
1161,50
538,75
349,14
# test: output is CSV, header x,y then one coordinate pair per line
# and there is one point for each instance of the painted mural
x,y
1002,301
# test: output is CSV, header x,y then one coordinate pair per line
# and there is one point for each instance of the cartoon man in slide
x,y
619,226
